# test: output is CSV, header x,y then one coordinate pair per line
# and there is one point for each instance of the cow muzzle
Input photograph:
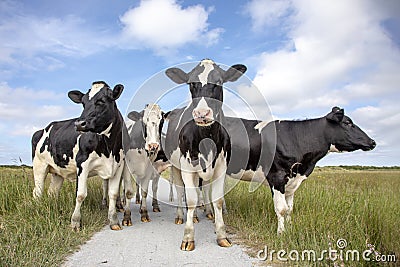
x,y
203,117
371,145
152,148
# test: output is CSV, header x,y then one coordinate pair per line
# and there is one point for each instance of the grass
x,y
37,232
359,206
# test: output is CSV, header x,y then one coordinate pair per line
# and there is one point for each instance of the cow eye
x,y
100,102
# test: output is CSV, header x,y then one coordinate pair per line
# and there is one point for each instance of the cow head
x,y
99,107
205,82
152,119
345,135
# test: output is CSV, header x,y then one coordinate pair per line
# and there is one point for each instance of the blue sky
x,y
303,56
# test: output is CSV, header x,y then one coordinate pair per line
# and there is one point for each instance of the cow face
x,y
345,135
152,119
205,83
99,107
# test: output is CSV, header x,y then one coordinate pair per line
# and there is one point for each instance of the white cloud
x,y
338,53
23,110
31,42
164,25
266,12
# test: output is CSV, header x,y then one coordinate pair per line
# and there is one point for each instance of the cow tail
x,y
35,140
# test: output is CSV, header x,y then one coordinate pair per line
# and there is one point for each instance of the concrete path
x,y
157,243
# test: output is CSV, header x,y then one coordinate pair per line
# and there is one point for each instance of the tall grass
x,y
37,232
361,207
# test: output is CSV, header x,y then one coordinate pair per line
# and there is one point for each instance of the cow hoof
x,y
224,242
195,219
210,216
156,209
116,227
76,226
145,218
127,222
187,245
178,221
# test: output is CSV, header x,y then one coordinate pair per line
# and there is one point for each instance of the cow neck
x,y
115,140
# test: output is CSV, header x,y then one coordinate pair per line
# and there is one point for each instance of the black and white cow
x,y
78,148
142,157
196,143
283,163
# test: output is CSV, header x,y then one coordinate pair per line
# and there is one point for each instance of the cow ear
x,y
336,115
135,116
177,75
117,91
234,72
76,96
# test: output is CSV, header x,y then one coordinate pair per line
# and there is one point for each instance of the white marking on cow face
x,y
95,89
152,119
107,132
203,114
208,67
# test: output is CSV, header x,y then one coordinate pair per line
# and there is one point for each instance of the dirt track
x,y
157,243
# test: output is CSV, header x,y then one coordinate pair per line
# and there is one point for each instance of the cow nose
x,y
80,125
152,147
373,144
201,114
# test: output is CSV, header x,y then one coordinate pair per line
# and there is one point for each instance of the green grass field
x,y
360,206
37,233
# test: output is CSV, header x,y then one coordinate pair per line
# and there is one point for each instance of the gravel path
x,y
157,243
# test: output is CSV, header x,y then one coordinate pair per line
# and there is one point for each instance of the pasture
x,y
359,206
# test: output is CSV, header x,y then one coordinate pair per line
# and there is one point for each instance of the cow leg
x,y
224,209
55,185
218,201
207,202
177,180
105,194
137,193
128,194
120,205
113,193
81,193
281,208
191,201
289,202
144,185
40,171
156,178
196,183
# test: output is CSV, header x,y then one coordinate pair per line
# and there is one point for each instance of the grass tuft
x,y
361,207
37,232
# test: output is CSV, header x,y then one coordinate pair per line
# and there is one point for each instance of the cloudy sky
x,y
303,57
